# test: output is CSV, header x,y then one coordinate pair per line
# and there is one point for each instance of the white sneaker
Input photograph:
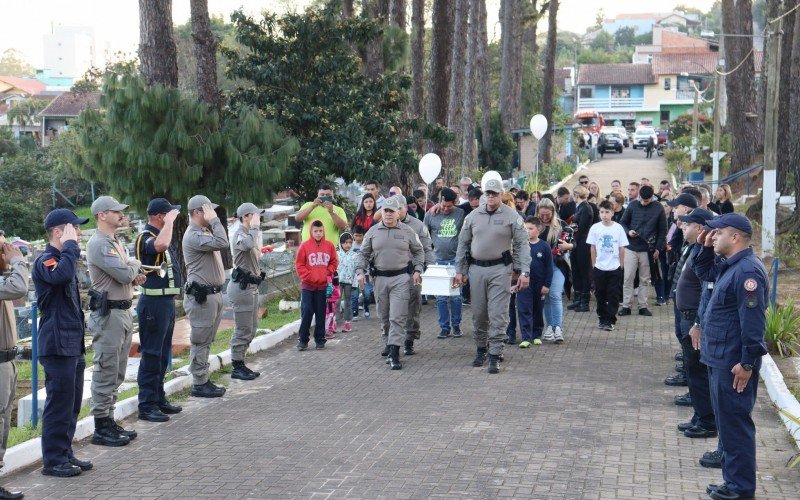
x,y
558,335
548,334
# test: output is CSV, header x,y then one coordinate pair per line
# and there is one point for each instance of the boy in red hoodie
x,y
316,260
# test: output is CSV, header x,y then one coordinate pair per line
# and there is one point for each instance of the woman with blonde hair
x,y
508,199
723,205
594,188
558,235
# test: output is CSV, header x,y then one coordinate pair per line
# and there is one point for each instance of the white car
x,y
642,135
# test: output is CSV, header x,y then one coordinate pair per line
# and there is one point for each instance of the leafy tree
x,y
603,56
8,146
603,41
644,39
187,64
304,74
24,203
13,63
24,112
148,141
598,19
501,147
626,36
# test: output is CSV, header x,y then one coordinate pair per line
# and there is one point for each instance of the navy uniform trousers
x,y
156,324
64,385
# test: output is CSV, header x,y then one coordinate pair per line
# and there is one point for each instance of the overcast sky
x,y
116,22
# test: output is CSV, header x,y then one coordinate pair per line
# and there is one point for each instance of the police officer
x,y
60,341
243,287
156,309
732,344
485,255
14,286
113,276
202,242
415,290
394,251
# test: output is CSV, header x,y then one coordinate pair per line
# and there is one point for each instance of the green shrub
x,y
782,329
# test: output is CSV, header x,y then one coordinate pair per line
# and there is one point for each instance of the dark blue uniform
x,y
733,326
61,349
156,313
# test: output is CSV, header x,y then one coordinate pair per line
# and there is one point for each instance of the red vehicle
x,y
589,121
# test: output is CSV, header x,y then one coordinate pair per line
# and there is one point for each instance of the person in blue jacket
x,y
60,341
731,345
530,301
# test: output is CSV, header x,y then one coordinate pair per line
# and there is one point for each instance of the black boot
x,y
240,371
394,357
385,351
494,361
583,304
576,300
121,431
106,435
409,348
480,357
4,493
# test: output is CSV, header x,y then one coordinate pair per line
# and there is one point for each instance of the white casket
x,y
439,280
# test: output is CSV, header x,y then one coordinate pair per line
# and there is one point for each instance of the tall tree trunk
x,y
793,89
205,51
158,59
468,133
373,60
456,92
785,116
548,96
742,113
418,62
511,65
441,52
347,8
397,13
482,62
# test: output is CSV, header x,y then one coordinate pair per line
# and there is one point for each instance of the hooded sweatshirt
x,y
315,261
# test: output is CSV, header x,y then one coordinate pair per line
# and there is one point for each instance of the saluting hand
x,y
69,234
740,377
208,212
9,252
171,216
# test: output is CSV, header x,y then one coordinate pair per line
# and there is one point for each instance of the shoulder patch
x,y
51,263
750,285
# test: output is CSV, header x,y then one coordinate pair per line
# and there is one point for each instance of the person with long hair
x,y
559,236
366,212
617,200
594,189
581,259
723,204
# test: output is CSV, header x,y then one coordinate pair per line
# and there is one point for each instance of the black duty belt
x,y
8,355
689,315
487,263
210,289
120,304
389,274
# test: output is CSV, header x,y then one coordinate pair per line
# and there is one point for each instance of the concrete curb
x,y
780,395
30,452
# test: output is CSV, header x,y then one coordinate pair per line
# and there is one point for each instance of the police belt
x,y
389,274
158,292
689,315
8,355
120,304
209,289
487,263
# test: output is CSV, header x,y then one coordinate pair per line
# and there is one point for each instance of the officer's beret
x,y
736,221
62,216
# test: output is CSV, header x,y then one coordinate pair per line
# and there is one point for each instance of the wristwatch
x,y
526,274
747,368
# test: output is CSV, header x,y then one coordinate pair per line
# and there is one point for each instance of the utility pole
x,y
718,82
695,129
768,193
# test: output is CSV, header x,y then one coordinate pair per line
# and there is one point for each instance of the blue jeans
x,y
553,305
449,307
368,294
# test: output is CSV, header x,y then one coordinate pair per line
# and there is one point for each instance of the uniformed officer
x,y
60,341
14,286
202,242
243,287
485,255
113,276
415,290
732,344
156,309
394,251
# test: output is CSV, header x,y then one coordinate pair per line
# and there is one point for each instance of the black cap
x,y
61,216
646,192
684,199
734,220
160,206
410,200
698,216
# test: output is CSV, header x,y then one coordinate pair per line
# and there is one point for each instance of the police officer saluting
x,y
202,242
243,287
113,276
485,255
394,251
731,345
156,309
60,341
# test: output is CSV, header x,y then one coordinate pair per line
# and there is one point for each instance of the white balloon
x,y
490,174
538,126
429,167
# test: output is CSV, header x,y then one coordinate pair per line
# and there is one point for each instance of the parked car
x,y
626,140
613,143
642,135
663,136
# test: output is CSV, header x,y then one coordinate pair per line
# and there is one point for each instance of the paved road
x,y
587,419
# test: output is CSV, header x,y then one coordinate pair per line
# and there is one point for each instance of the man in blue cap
x,y
60,341
156,308
731,345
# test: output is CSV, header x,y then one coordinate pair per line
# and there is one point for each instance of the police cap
x,y
160,206
698,216
105,203
61,216
198,200
247,209
736,221
394,203
684,199
494,186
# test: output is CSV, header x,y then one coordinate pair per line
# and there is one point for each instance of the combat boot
x,y
385,351
409,348
394,357
583,304
494,363
480,357
121,431
106,435
240,371
576,301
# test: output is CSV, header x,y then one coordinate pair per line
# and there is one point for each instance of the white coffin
x,y
438,280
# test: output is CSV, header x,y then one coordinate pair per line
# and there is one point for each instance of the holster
x,y
197,291
98,301
507,259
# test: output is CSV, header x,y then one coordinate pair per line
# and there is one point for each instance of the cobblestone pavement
x,y
589,418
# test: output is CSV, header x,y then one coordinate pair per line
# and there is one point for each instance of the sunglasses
x,y
393,193
584,182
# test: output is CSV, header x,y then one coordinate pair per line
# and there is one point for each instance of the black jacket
x,y
649,221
